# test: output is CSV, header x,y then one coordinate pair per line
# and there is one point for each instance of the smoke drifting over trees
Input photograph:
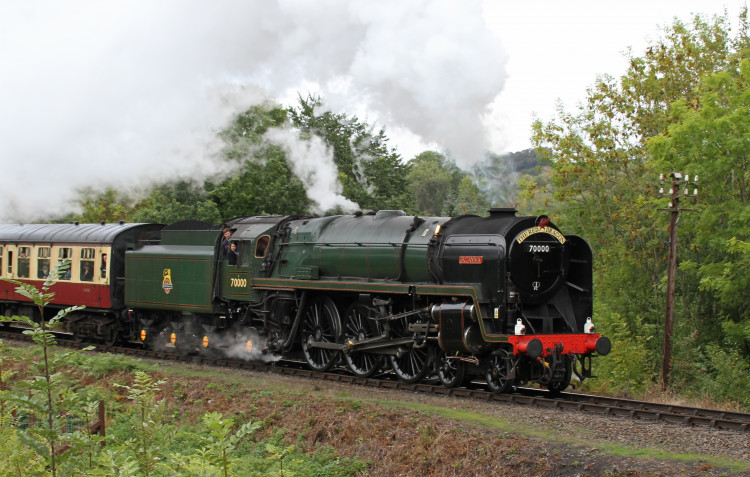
x,y
103,93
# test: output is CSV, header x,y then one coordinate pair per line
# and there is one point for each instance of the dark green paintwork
x,y
235,281
380,247
194,237
190,268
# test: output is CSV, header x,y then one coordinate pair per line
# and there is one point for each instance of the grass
x,y
505,425
278,403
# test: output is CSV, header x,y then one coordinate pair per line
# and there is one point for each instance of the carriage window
x,y
23,262
62,254
103,266
261,245
1,260
87,264
10,263
42,262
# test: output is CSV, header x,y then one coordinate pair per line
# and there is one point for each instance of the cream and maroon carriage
x,y
95,277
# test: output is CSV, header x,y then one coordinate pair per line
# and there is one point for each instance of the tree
x,y
372,174
47,396
602,176
258,188
261,181
466,200
709,137
109,205
430,182
498,175
167,203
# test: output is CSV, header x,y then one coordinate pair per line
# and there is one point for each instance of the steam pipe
x,y
290,339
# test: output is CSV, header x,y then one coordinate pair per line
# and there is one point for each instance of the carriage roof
x,y
63,233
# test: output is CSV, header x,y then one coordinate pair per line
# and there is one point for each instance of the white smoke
x,y
125,92
236,347
312,161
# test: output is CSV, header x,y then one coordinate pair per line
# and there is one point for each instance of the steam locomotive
x,y
503,299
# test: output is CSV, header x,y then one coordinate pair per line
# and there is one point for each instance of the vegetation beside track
x,y
306,428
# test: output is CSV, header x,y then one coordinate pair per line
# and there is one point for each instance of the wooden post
x,y
101,425
671,279
676,182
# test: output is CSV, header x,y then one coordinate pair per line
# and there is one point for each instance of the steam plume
x,y
123,92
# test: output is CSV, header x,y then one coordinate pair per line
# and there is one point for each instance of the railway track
x,y
571,401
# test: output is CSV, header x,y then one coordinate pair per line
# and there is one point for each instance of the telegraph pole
x,y
676,183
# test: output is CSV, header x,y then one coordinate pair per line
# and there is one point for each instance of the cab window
x,y
87,264
64,253
42,262
261,245
23,262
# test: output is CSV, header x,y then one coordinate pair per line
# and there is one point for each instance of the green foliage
x,y
108,205
146,419
372,174
104,363
220,445
180,200
45,394
262,181
273,458
497,177
627,369
441,188
145,443
263,187
682,105
432,182
467,200
17,456
725,375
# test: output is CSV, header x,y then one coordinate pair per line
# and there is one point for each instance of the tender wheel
x,y
451,372
320,323
499,370
358,327
112,337
561,376
413,362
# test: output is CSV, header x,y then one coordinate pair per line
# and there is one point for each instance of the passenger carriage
x,y
95,278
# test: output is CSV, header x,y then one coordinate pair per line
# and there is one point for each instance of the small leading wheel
x,y
499,372
358,327
560,376
321,324
451,371
413,362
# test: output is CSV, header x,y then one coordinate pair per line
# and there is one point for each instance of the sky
x,y
127,92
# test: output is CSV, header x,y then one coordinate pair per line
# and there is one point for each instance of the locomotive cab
x,y
254,244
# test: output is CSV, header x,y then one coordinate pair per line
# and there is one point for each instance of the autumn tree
x,y
603,178
708,136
